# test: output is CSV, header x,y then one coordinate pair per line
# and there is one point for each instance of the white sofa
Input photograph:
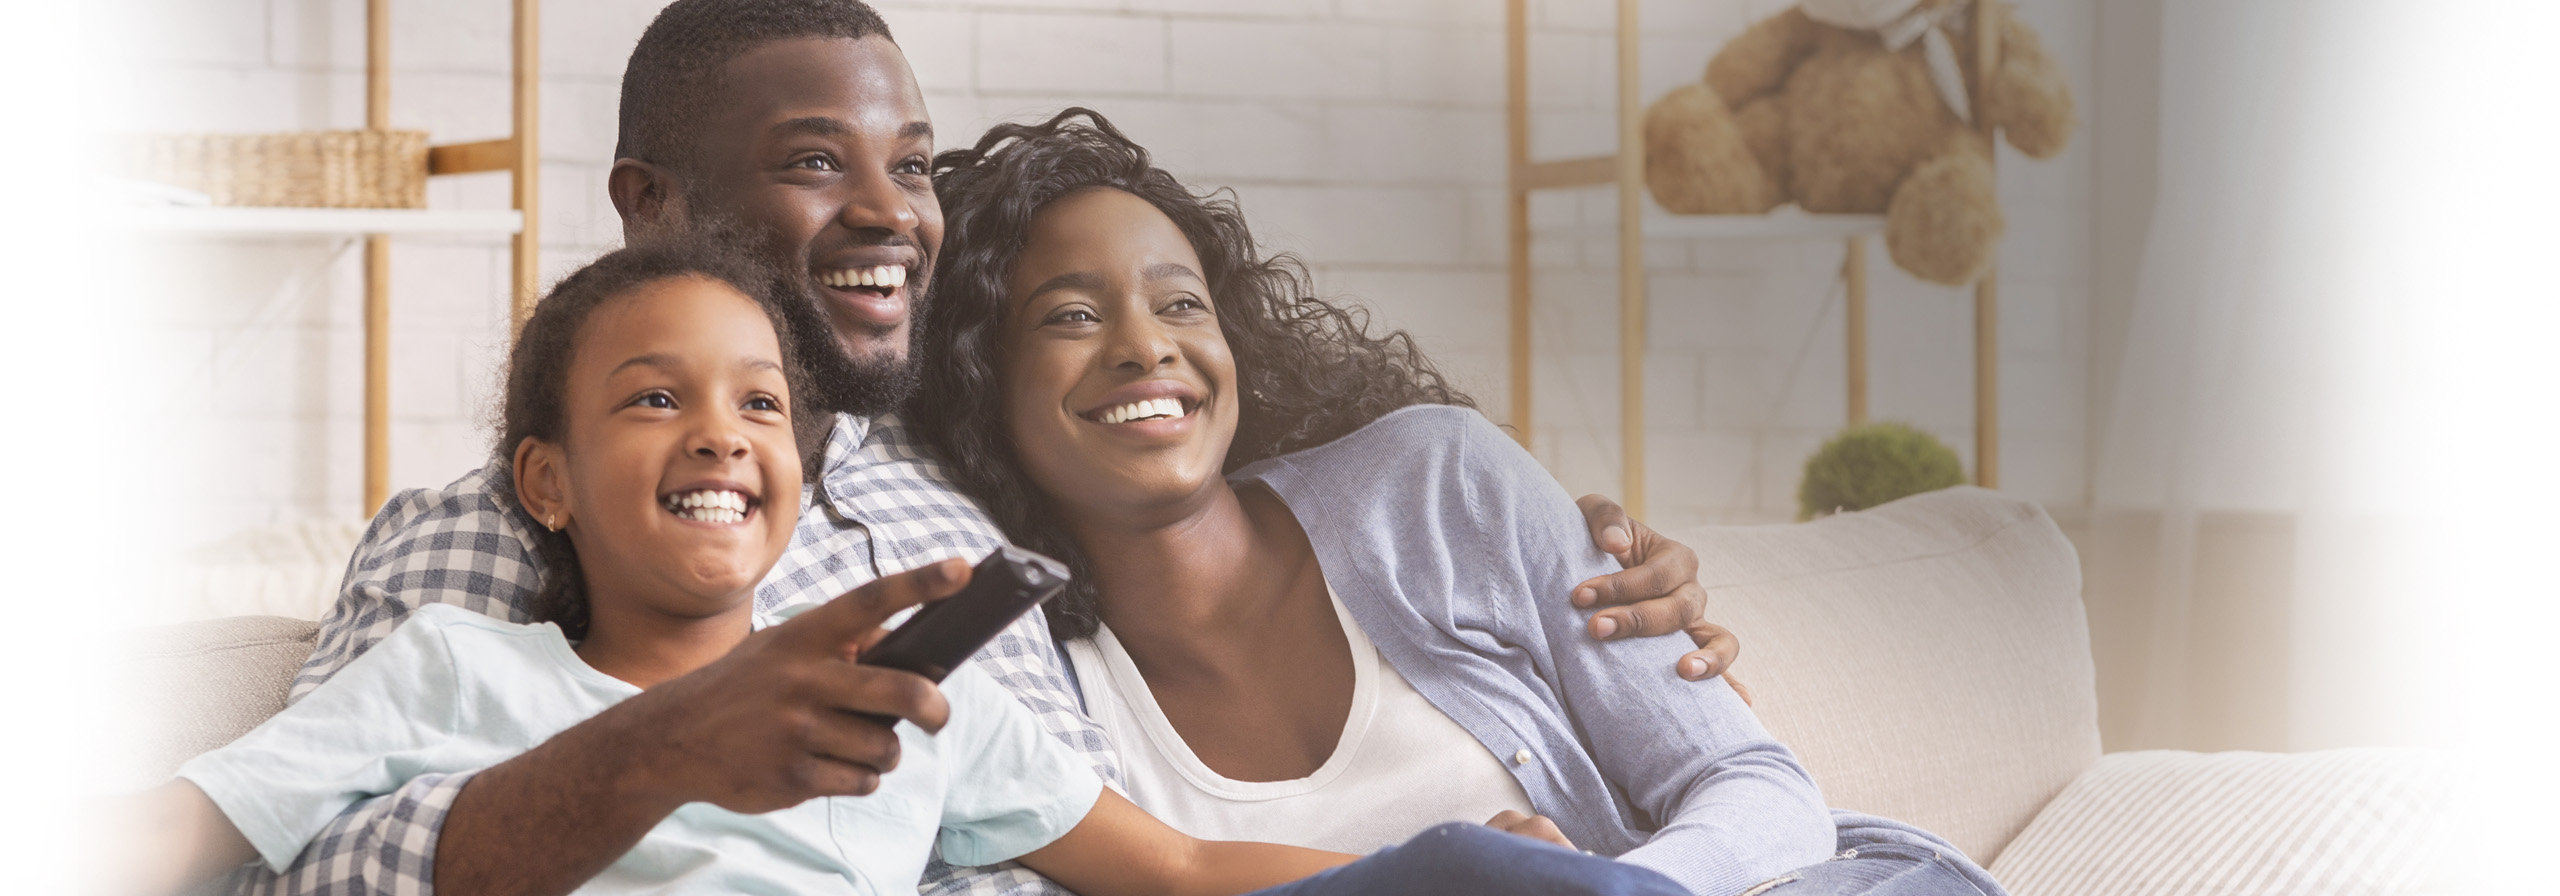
x,y
1928,659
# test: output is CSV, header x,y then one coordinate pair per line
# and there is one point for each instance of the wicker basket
x,y
322,169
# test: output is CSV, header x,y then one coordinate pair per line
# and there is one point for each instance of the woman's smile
x,y
1154,410
1118,375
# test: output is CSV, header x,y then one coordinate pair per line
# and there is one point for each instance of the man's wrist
x,y
626,759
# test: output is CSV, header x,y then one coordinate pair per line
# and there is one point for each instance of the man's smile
x,y
869,286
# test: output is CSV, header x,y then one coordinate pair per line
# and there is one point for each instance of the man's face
x,y
823,146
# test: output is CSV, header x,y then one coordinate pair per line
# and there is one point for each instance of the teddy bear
x,y
1863,107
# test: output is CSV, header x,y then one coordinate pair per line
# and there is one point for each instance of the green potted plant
x,y
1871,464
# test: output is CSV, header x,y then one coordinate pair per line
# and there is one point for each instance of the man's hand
x,y
1657,594
789,716
784,718
1534,827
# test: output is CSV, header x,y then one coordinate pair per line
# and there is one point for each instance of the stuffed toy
x,y
1862,107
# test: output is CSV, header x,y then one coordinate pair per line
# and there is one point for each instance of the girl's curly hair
x,y
1307,370
536,390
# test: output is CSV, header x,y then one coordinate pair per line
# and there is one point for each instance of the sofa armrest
x,y
2371,822
198,685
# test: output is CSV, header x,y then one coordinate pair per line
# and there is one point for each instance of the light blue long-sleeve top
x,y
1453,548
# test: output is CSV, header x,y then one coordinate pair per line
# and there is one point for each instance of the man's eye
x,y
817,162
1074,316
912,165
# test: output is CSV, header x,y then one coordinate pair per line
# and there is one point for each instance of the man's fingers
x,y
1645,619
1611,530
859,612
818,776
1626,586
1717,649
847,737
892,694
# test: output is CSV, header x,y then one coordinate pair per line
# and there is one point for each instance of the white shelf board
x,y
317,221
1788,223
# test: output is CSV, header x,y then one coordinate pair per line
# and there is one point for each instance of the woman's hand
x,y
1657,594
1534,827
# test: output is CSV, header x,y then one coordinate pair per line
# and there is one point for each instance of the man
x,y
802,120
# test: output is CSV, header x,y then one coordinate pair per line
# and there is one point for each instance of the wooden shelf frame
x,y
519,153
1625,170
250,220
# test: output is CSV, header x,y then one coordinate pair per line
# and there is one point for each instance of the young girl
x,y
648,422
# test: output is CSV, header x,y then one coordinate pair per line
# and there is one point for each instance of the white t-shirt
x,y
453,690
1400,766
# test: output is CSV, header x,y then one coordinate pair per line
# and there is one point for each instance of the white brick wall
x,y
1364,134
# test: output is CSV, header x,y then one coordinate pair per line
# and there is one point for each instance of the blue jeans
x,y
1471,859
1876,869
1474,859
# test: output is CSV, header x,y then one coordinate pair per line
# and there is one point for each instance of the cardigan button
x,y
1520,758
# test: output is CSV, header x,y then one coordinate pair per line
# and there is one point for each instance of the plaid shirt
x,y
880,506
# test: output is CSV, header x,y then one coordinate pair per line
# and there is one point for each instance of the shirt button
x,y
1520,758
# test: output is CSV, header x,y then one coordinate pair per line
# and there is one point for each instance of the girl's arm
x,y
1119,848
172,837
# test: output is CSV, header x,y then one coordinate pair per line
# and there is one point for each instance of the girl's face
x,y
1119,388
679,482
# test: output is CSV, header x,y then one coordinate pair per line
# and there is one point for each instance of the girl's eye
x,y
1187,303
659,400
1073,316
764,403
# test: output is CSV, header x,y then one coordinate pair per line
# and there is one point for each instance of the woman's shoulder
x,y
1396,446
1425,474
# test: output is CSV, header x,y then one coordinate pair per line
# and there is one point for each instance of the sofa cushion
x,y
2361,822
200,685
1927,659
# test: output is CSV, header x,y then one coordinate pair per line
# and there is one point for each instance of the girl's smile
x,y
678,439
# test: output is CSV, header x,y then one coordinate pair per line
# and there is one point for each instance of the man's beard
x,y
842,378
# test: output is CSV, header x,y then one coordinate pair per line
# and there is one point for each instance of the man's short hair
x,y
674,72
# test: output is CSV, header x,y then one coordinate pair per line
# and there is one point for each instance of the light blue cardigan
x,y
1455,550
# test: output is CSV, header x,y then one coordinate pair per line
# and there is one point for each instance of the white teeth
x,y
709,506
1140,410
887,276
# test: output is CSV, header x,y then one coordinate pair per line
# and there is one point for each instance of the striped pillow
x,y
2361,822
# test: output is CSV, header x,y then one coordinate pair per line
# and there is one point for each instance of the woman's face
x,y
1119,385
681,479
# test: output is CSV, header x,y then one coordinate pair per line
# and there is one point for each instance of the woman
x,y
1306,568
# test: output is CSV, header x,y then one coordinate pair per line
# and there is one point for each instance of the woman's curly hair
x,y
534,397
1307,370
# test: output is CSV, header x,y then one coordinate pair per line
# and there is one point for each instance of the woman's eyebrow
x,y
1069,280
1168,270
